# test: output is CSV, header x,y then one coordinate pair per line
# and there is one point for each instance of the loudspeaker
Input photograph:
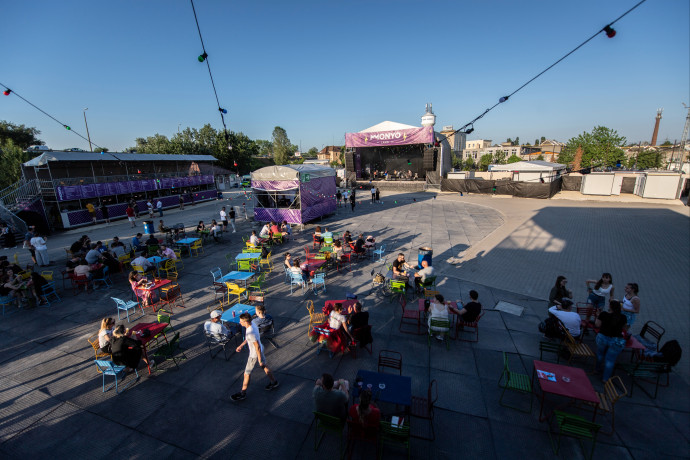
x,y
349,162
430,159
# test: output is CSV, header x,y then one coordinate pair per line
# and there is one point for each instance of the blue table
x,y
187,242
398,388
157,261
238,308
237,276
248,256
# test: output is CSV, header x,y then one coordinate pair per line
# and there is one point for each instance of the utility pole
x,y
87,129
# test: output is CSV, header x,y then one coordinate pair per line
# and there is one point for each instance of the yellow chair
x,y
47,275
234,289
170,270
178,263
100,354
250,245
138,269
196,247
125,260
314,318
267,262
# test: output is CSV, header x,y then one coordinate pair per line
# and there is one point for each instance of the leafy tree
x,y
468,164
540,157
543,138
514,159
313,152
20,135
527,143
244,151
667,143
646,159
510,141
281,146
457,162
153,144
516,141
601,147
536,142
265,147
485,161
500,157
11,157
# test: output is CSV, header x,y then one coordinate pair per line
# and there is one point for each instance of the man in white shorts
x,y
256,353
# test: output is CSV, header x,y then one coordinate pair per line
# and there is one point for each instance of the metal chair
x,y
653,329
398,289
296,280
439,327
424,408
126,306
78,282
468,326
581,350
614,389
6,301
99,354
314,318
394,435
196,248
550,347
170,269
256,298
178,262
217,274
266,261
649,372
391,359
328,423
516,382
410,317
246,266
48,291
257,285
319,279
234,289
109,368
169,350
213,341
104,280
576,427
378,252
267,331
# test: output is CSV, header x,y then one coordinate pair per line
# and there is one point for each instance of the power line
x,y
64,125
607,29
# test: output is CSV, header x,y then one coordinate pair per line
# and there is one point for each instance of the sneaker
x,y
438,337
238,396
272,386
234,231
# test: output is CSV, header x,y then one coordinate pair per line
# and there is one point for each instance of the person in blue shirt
x,y
136,243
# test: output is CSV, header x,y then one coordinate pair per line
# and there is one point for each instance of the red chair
x,y
78,282
345,258
470,327
424,408
413,315
390,358
586,312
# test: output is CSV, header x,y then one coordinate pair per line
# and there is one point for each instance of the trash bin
x,y
149,229
424,253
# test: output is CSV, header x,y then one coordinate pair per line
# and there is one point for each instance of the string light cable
x,y
9,91
607,29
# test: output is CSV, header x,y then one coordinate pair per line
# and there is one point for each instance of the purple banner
x,y
68,192
424,135
317,198
87,191
292,216
275,184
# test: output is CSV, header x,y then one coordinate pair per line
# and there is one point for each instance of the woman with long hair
x,y
601,288
559,291
137,282
105,334
631,303
126,350
365,413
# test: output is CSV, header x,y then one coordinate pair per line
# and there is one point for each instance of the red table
x,y
579,387
155,329
156,286
348,305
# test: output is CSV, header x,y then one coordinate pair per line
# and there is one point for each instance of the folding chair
x,y
213,340
576,427
169,350
319,279
439,327
328,423
515,382
424,408
48,291
391,359
394,435
126,306
296,280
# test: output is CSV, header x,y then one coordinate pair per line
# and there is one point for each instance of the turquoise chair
x,y
109,368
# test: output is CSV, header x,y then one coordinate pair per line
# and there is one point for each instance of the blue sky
x,y
323,68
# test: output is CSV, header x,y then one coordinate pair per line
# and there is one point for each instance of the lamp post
x,y
87,129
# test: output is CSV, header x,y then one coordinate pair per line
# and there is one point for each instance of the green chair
x,y
258,284
516,382
231,261
439,327
429,282
550,347
246,266
169,350
397,289
152,250
394,435
328,423
576,427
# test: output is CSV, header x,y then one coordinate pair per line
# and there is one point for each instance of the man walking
x,y
181,203
339,197
352,201
232,219
159,207
224,219
373,193
256,353
130,215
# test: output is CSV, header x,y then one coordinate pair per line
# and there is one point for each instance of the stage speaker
x,y
430,159
349,162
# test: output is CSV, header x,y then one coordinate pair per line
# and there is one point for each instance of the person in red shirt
x,y
131,216
366,414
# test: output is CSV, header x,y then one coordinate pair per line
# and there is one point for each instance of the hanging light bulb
x,y
503,99
222,110
610,31
202,57
67,127
7,92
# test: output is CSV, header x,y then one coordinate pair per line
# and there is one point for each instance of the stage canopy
x,y
389,133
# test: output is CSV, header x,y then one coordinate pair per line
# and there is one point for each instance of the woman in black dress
x,y
126,350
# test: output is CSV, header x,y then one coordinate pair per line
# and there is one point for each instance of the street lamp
x,y
87,129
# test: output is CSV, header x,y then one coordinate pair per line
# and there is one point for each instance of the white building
x,y
531,171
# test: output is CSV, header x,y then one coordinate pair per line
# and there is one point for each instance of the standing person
x,y
39,243
597,294
352,201
224,219
559,291
159,207
338,197
345,197
135,207
105,213
610,340
244,207
149,207
378,194
232,219
131,215
181,203
27,243
256,353
92,210
373,193
191,198
8,237
631,303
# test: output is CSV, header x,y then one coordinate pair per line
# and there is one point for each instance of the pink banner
x,y
424,135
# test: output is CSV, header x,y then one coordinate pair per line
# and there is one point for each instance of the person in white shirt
x,y
93,255
254,239
224,219
570,319
167,252
337,320
159,207
149,205
373,194
256,353
39,244
215,327
265,230
144,263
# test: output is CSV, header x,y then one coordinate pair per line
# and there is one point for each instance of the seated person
x,y
215,230
285,228
265,231
296,270
215,327
201,228
399,268
570,319
331,397
421,276
105,334
439,310
162,228
254,239
137,245
338,322
83,269
317,234
326,233
337,249
275,230
117,248
111,262
72,264
125,350
152,241
93,256
36,283
100,247
369,242
144,263
80,246
12,286
347,237
166,252
287,261
365,413
471,310
359,245
262,320
138,284
358,326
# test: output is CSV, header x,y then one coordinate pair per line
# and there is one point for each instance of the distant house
x,y
329,153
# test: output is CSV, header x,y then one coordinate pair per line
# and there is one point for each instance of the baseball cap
x,y
216,313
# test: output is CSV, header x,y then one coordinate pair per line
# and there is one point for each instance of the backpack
x,y
670,353
549,327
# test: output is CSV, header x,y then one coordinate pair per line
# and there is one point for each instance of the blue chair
x,y
6,301
126,306
217,274
296,280
378,252
105,280
48,291
319,279
287,273
109,368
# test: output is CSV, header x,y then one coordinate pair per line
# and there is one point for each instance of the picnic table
x,y
567,381
157,261
248,256
237,276
187,242
390,388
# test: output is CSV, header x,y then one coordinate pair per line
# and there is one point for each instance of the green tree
x,y
313,152
485,161
281,146
527,143
536,142
265,148
601,147
646,159
540,157
500,157
509,141
20,135
153,144
243,152
667,143
468,164
543,139
11,157
457,162
516,141
514,159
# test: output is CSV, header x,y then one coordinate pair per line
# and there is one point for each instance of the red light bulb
x,y
7,92
610,32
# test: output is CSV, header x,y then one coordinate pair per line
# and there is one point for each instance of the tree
x,y
468,164
528,144
11,157
540,157
536,142
265,148
21,136
600,148
485,161
667,143
313,152
153,144
516,141
500,157
645,159
514,159
457,162
543,139
509,141
281,146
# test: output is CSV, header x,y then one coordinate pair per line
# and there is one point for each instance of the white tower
x,y
428,119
